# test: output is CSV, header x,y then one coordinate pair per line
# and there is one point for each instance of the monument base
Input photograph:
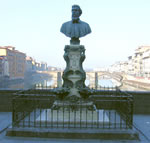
x,y
74,119
67,104
83,121
60,133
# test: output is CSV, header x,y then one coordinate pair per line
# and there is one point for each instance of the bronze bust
x,y
75,28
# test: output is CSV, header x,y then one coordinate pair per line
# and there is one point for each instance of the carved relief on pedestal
x,y
74,75
74,61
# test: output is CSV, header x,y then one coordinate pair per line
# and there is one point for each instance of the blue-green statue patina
x,y
75,28
74,76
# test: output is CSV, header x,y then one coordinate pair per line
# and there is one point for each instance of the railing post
x,y
96,80
130,112
13,113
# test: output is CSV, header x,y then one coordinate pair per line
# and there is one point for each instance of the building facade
x,y
4,67
138,64
29,64
141,60
146,63
1,67
16,61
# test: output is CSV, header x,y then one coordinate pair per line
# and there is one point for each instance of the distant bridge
x,y
93,76
90,76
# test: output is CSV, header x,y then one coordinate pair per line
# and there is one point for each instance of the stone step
x,y
73,133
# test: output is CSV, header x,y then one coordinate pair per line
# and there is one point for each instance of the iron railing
x,y
113,111
106,88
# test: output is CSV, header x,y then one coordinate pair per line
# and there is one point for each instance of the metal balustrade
x,y
113,88
99,111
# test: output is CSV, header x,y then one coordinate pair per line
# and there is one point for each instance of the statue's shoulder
x,y
84,23
67,23
65,27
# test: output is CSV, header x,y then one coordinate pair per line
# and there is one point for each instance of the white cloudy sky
x,y
33,26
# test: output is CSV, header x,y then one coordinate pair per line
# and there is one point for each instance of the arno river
x,y
47,82
28,84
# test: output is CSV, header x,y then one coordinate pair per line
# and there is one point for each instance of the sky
x,y
33,27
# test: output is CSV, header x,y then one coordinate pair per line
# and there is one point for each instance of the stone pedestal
x,y
74,76
59,80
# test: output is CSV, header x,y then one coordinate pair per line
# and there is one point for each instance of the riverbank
x,y
139,83
29,80
136,84
6,82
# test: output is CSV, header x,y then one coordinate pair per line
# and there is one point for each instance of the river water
x,y
50,83
106,83
36,81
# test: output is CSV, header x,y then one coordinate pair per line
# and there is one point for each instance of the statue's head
x,y
76,12
75,28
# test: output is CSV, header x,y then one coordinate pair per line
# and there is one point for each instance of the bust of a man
x,y
75,28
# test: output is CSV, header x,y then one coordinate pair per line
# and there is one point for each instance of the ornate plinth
x,y
74,76
89,105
